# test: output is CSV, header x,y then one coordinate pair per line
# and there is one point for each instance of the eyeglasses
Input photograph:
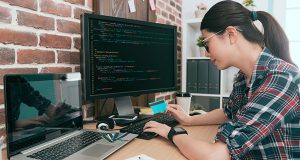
x,y
205,41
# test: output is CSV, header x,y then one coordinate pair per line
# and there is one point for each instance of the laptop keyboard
x,y
137,127
67,147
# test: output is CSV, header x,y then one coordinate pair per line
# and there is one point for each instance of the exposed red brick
x,y
52,7
5,15
178,21
30,4
55,41
2,116
18,37
77,42
1,96
161,20
2,131
68,26
178,8
79,11
165,14
172,3
161,5
172,18
158,11
56,70
81,2
36,21
15,71
26,56
77,69
7,56
68,57
168,8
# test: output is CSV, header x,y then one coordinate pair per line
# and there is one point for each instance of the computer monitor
x,y
125,57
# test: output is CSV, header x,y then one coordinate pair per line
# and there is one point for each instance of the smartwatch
x,y
175,131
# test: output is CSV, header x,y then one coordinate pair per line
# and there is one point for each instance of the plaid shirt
x,y
264,119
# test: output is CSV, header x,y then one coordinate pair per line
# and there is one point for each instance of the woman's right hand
x,y
180,115
37,120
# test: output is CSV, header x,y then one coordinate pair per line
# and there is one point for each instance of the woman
x,y
261,118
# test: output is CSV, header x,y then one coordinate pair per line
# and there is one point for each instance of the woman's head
x,y
232,14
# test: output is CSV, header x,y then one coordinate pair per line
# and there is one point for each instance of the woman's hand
x,y
38,120
57,111
158,128
179,114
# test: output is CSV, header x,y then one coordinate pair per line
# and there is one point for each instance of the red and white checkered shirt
x,y
264,117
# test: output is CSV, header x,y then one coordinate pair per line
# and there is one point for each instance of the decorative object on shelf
x,y
202,50
249,4
201,10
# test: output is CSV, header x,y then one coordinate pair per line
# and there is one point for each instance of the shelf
x,y
193,20
226,95
194,23
206,95
198,58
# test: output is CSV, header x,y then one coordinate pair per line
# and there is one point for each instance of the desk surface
x,y
160,148
157,148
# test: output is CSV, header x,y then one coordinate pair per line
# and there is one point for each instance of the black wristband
x,y
171,134
175,131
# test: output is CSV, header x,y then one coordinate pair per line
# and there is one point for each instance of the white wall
x,y
189,6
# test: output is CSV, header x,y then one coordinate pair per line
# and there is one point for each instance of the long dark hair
x,y
229,13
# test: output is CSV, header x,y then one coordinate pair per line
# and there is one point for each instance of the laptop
x,y
44,120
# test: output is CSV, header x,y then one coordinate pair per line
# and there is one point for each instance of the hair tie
x,y
254,16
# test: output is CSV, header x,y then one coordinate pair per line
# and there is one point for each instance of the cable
x,y
101,109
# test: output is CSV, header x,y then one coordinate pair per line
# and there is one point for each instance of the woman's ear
x,y
232,33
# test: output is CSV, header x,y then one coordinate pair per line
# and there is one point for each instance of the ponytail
x,y
274,37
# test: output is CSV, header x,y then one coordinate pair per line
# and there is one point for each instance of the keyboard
x,y
68,147
137,127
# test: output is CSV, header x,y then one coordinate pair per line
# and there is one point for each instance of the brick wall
x,y
39,36
169,12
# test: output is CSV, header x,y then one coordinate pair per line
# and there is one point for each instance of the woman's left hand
x,y
158,128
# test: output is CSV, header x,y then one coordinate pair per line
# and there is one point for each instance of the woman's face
x,y
219,48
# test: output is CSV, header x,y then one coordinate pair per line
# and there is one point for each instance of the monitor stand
x,y
124,106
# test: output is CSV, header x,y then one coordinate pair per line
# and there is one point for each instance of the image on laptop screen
x,y
39,108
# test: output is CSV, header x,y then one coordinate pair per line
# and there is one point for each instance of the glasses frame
x,y
205,41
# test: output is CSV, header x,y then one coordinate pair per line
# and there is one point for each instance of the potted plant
x,y
201,10
249,4
201,46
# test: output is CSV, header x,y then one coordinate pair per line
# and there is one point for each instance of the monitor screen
x,y
123,57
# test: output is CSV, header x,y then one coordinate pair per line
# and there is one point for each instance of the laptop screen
x,y
40,107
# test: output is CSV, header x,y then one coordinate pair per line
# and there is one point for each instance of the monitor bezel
x,y
85,68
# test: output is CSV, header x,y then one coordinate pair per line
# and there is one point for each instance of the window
x,y
287,13
292,10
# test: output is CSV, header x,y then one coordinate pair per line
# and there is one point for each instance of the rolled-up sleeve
x,y
270,106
